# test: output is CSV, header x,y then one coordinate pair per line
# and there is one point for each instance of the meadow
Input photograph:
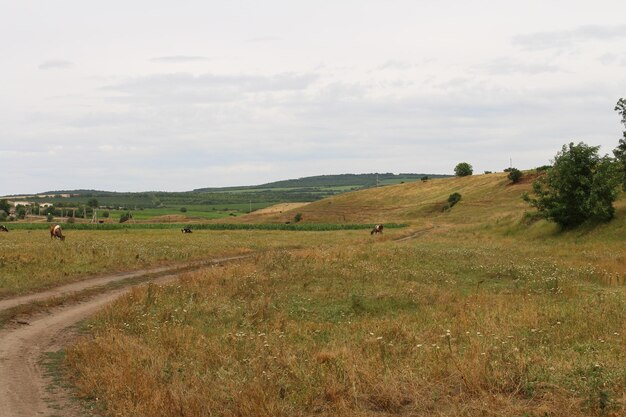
x,y
30,260
480,310
456,323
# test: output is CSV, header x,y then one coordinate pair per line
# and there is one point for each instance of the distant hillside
x,y
306,189
490,200
329,181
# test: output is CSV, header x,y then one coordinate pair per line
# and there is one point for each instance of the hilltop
x,y
486,200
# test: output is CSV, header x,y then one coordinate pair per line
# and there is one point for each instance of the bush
x,y
297,217
580,186
515,175
105,214
463,169
49,217
425,178
183,209
452,200
488,172
126,217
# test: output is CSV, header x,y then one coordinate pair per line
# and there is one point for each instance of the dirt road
x,y
23,388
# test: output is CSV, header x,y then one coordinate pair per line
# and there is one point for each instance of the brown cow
x,y
55,231
377,229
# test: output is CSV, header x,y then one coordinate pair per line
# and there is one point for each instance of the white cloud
x,y
55,64
177,59
334,88
569,38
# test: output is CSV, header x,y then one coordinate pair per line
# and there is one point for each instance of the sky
x,y
173,96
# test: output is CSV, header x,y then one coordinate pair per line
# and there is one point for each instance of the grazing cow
x,y
377,229
186,230
3,228
55,231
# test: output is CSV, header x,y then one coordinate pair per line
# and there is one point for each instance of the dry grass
x,y
29,260
445,325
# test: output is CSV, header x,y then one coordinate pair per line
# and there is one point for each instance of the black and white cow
x,y
3,228
377,229
186,230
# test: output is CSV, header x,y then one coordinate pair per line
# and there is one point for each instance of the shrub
x,y
49,217
580,186
125,217
105,214
183,209
463,169
297,217
425,178
515,175
452,200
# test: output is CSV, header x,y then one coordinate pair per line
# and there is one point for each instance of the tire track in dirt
x,y
23,387
415,234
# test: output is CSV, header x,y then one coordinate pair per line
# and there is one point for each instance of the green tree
x,y
620,151
297,217
514,175
580,186
5,206
463,169
92,203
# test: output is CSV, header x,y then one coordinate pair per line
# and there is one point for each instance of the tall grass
x,y
302,227
429,327
30,260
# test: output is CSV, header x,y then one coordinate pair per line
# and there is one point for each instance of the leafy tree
x,y
20,212
463,169
49,217
297,217
580,186
5,206
92,203
620,151
514,175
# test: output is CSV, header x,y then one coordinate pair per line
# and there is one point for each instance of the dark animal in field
x,y
377,229
3,228
186,230
55,231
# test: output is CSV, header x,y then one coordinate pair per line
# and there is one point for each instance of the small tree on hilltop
x,y
515,175
463,169
580,186
620,151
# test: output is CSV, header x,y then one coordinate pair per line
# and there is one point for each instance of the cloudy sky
x,y
162,95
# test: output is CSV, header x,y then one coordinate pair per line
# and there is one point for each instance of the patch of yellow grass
x,y
447,325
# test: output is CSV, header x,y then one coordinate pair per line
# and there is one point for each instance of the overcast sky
x,y
163,95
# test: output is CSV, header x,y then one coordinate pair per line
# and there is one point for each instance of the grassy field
x,y
479,310
30,261
448,324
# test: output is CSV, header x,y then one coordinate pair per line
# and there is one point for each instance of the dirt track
x,y
23,388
